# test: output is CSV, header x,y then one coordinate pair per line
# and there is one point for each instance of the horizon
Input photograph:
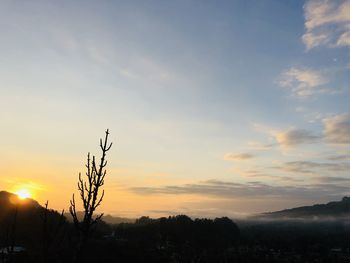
x,y
267,216
214,109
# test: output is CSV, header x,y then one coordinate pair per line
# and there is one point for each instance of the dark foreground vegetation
x,y
32,233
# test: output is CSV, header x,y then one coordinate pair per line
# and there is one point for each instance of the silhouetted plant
x,y
90,195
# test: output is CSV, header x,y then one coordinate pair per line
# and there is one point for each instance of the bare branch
x,y
89,190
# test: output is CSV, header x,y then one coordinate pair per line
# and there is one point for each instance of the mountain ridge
x,y
11,200
334,209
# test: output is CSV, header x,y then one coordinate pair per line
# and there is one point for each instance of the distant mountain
x,y
22,219
109,219
117,220
28,207
332,210
9,200
11,205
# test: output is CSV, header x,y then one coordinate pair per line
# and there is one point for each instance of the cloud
x,y
147,68
329,179
311,40
303,82
293,137
337,129
231,190
258,174
308,167
340,157
284,138
238,157
255,173
327,23
296,167
260,146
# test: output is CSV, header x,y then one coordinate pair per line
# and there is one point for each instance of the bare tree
x,y
90,195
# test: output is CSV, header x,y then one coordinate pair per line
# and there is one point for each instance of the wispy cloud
x,y
229,190
263,175
286,138
303,82
339,157
293,137
327,23
148,69
310,167
331,179
237,156
260,146
337,129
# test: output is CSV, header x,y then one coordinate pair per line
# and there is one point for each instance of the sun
x,y
23,193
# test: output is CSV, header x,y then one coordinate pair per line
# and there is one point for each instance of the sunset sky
x,y
214,107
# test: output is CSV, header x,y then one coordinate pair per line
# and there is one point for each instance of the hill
x,y
332,210
10,203
114,220
109,219
22,220
10,198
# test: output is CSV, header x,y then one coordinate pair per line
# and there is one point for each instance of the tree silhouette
x,y
90,195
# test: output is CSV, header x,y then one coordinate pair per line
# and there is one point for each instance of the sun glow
x,y
23,193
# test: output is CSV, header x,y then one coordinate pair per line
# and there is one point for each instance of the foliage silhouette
x,y
90,195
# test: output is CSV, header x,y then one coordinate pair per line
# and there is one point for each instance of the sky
x,y
215,108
